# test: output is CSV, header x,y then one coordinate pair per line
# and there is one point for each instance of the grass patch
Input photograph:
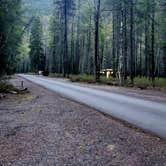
x,y
144,82
109,81
82,78
55,75
90,79
161,82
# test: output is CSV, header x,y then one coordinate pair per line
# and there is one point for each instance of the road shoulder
x,y
148,94
43,128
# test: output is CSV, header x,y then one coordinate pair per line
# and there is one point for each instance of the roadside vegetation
x,y
90,79
6,87
75,37
142,83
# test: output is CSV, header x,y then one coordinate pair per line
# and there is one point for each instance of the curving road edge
x,y
147,115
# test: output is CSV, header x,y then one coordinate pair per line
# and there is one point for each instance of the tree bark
x,y
96,53
65,62
132,43
152,43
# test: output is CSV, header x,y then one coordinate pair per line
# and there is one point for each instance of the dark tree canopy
x,y
10,34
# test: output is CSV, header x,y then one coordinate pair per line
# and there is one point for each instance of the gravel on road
x,y
43,128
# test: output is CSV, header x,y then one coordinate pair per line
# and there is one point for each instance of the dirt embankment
x,y
42,128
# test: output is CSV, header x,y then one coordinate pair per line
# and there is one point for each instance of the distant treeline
x,y
88,36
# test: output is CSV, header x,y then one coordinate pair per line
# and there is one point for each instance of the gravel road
x,y
41,128
147,115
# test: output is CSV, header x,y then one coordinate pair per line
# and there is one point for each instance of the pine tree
x,y
37,56
96,38
10,34
65,8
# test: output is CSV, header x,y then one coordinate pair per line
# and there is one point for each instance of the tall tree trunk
x,y
125,41
96,53
72,48
114,43
132,43
65,62
77,53
61,46
140,58
82,53
121,46
152,58
118,33
89,46
147,47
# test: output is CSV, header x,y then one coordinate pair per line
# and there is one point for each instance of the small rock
x,y
110,148
13,92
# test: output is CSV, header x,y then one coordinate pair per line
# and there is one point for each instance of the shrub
x,y
6,87
145,82
82,78
90,79
56,75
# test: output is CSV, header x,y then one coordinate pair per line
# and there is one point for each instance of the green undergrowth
x,y
145,82
56,75
90,79
5,87
82,78
142,83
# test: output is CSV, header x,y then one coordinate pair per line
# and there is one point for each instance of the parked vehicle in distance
x,y
44,73
107,73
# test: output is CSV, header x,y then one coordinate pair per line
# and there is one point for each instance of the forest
x,y
83,82
78,37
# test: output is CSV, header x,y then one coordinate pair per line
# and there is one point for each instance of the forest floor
x,y
42,128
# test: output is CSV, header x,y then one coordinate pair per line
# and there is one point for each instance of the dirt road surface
x,y
42,128
143,113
